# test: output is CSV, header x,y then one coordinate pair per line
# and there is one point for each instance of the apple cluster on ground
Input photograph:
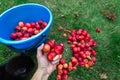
x,y
83,54
27,30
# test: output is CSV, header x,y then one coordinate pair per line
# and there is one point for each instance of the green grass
x,y
89,18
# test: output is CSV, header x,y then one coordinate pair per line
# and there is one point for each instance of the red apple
x,y
98,30
21,24
93,59
85,61
46,48
31,31
65,72
28,25
60,71
51,55
65,65
62,61
64,35
60,66
17,28
58,49
58,77
32,24
13,36
51,43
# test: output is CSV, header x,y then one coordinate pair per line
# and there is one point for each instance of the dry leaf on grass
x,y
103,75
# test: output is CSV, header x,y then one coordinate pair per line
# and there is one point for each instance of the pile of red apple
x,y
27,30
83,54
52,49
81,46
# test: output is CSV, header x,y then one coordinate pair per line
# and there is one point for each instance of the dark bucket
x,y
19,67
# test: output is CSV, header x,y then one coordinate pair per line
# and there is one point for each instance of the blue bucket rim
x,y
33,37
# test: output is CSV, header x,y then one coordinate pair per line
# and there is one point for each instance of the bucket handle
x,y
29,48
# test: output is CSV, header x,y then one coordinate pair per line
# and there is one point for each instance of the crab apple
x,y
51,55
70,63
60,66
89,48
64,77
80,59
32,24
24,28
60,71
84,32
86,66
37,26
46,48
79,44
31,31
90,63
82,42
21,24
40,22
79,49
65,72
98,30
93,52
70,68
85,61
13,36
82,37
72,46
74,39
94,44
75,42
58,49
79,31
44,24
82,54
74,61
90,43
62,61
58,77
76,55
26,35
64,35
88,35
74,31
87,53
19,34
87,45
70,38
81,63
86,39
36,31
75,50
65,65
93,59
51,43
74,68
17,28
28,25
92,40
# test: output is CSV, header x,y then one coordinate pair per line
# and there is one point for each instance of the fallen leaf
x,y
103,75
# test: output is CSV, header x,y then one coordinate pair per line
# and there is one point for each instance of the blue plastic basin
x,y
30,12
